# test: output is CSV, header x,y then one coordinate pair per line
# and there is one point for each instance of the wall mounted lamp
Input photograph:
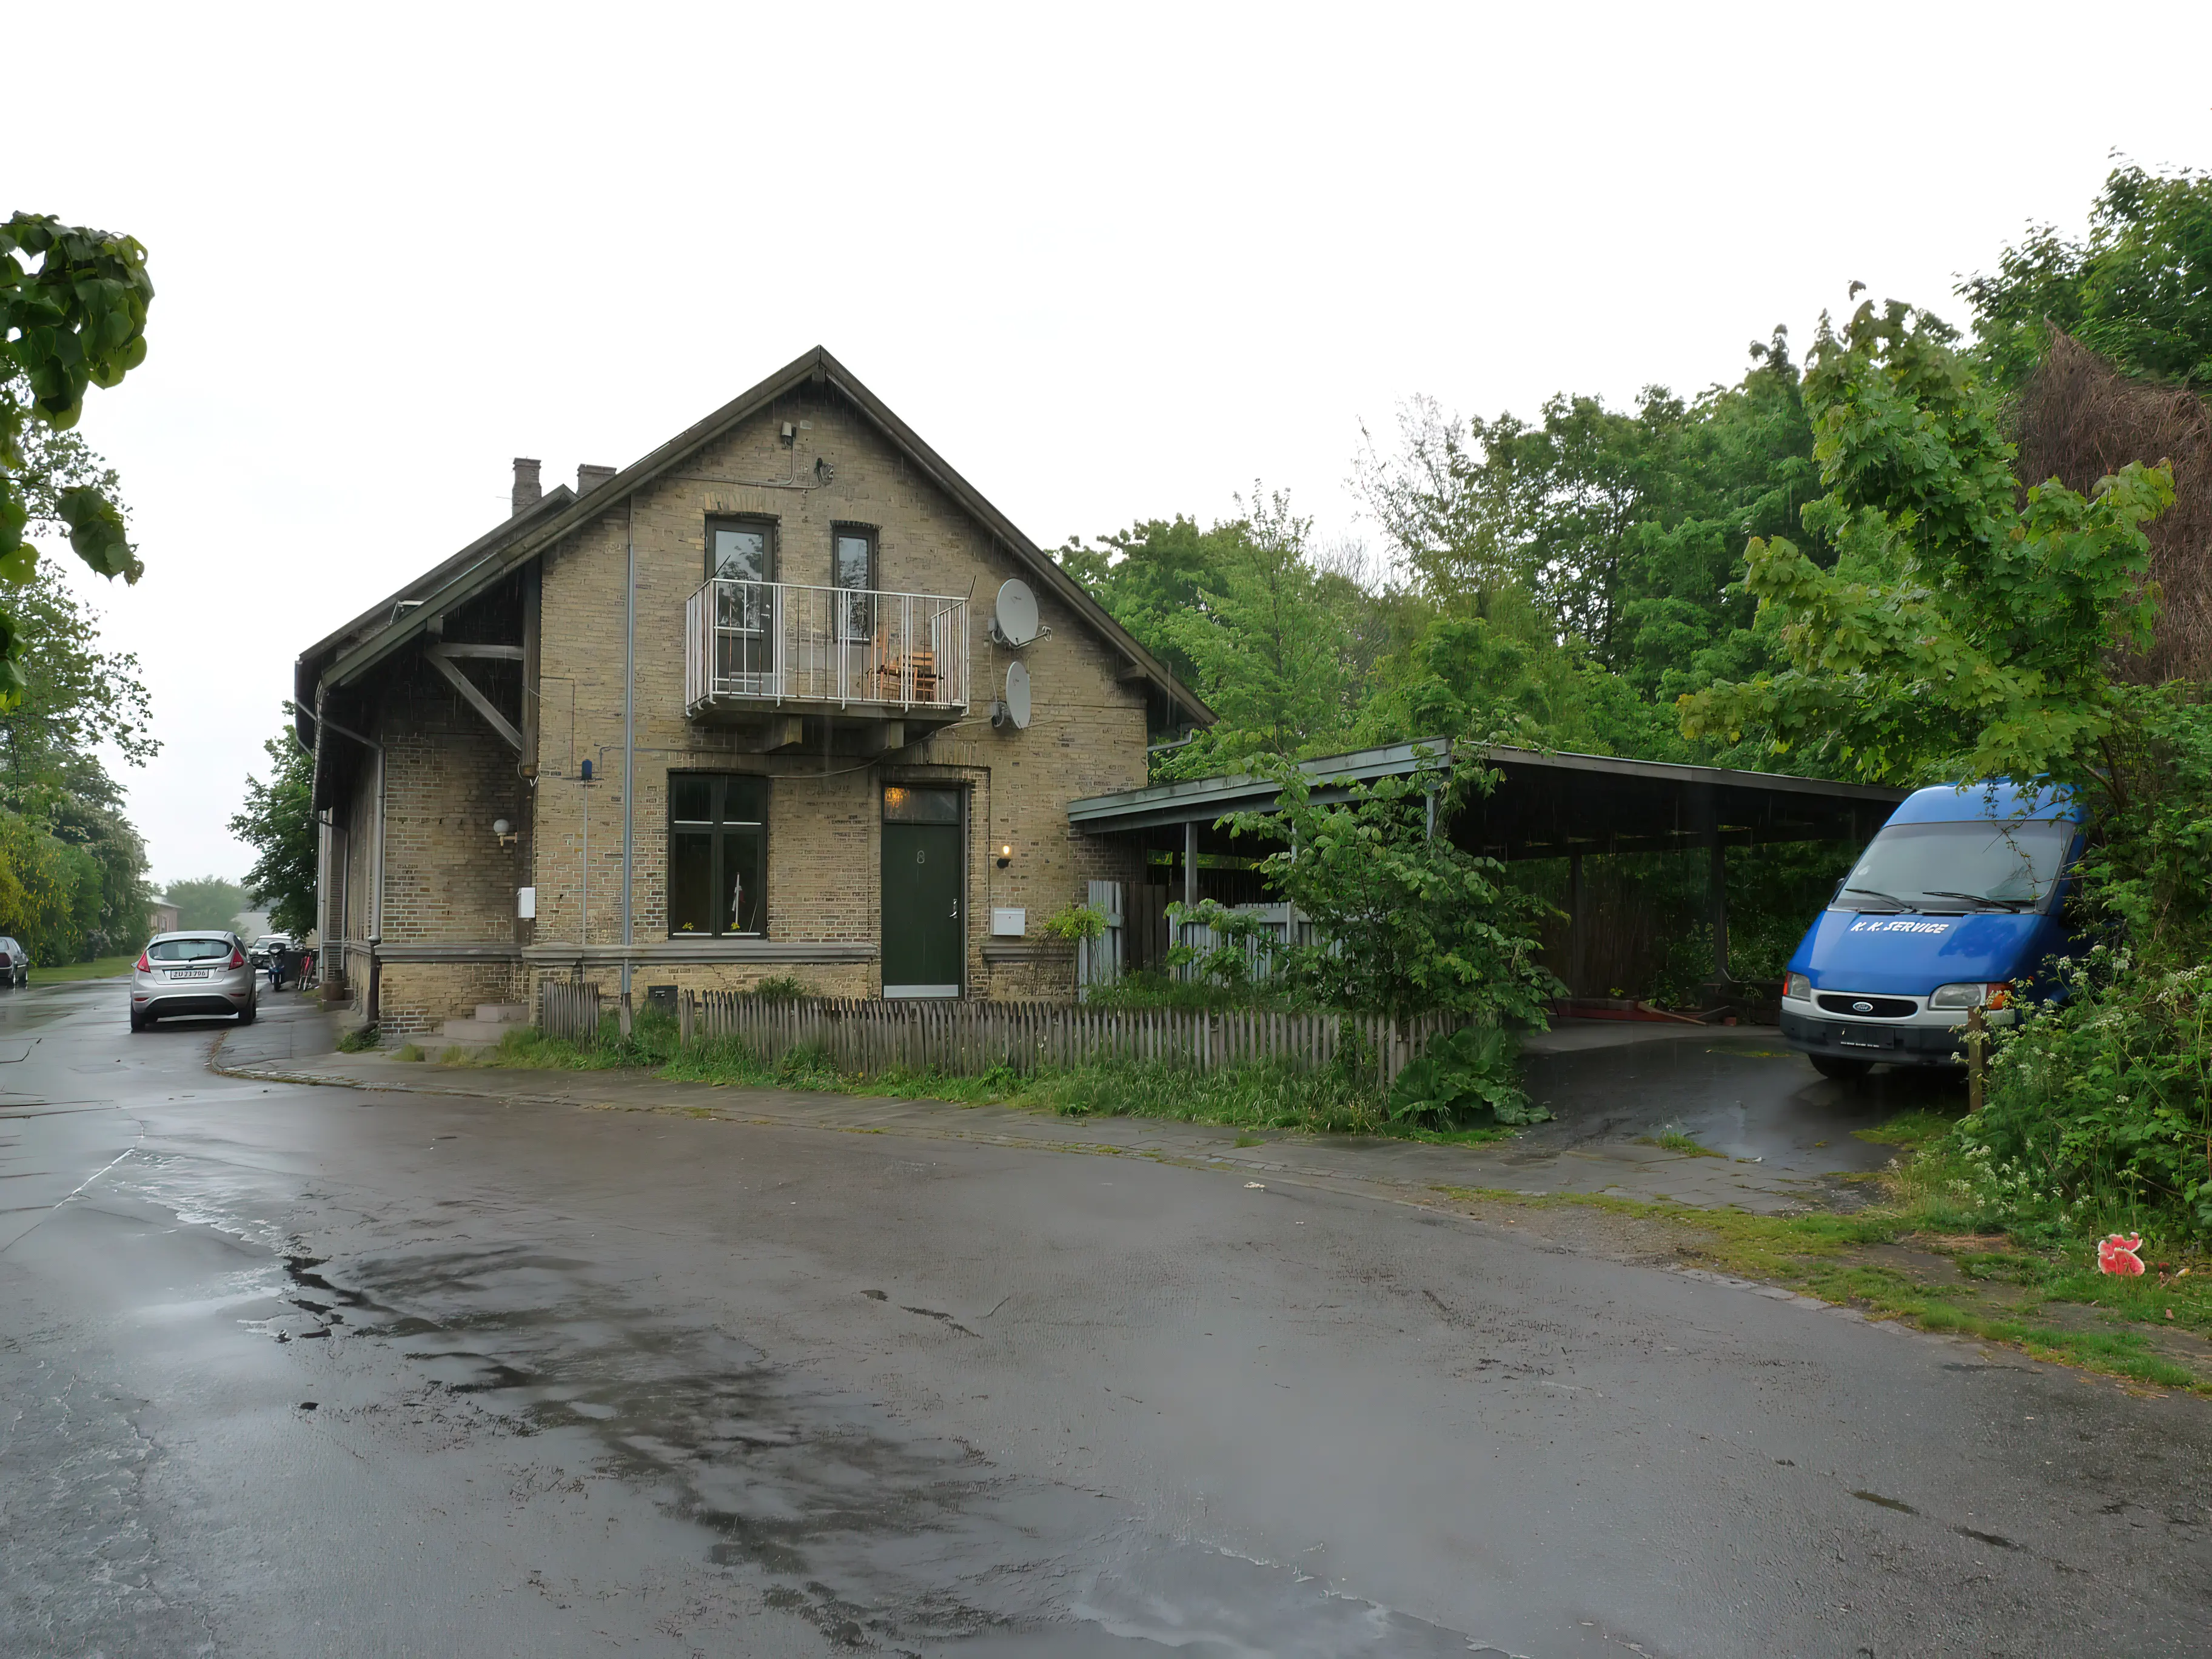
x,y
1005,855
504,830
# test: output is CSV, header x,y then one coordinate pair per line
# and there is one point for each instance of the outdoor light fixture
x,y
1005,855
504,830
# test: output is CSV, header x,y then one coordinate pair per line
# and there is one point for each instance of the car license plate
x,y
1860,1036
188,973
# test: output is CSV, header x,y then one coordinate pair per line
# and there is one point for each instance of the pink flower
x,y
2115,1254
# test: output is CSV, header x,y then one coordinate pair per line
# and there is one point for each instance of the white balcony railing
x,y
747,644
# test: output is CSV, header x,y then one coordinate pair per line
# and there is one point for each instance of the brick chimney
x,y
590,477
527,493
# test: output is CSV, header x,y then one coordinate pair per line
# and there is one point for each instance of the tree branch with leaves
x,y
72,316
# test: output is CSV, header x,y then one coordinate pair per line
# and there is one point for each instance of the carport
x,y
1546,806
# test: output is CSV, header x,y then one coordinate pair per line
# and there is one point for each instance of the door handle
x,y
956,912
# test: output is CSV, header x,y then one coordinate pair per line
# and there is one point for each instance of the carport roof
x,y
1547,805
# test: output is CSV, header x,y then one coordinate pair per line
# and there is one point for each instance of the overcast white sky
x,y
1113,262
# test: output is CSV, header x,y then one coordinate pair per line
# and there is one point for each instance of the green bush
x,y
2099,1112
360,1040
1464,1079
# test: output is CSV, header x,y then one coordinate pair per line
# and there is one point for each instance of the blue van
x,y
1957,896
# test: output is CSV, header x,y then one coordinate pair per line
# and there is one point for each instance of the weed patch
x,y
1675,1141
359,1041
1261,1095
1886,1264
1909,1128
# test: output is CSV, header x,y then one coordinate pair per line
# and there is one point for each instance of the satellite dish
x,y
1016,622
1018,694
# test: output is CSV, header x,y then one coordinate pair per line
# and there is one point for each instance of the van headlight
x,y
1797,987
1968,996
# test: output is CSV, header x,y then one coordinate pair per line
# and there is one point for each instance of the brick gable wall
x,y
447,877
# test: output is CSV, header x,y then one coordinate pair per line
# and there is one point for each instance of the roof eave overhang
x,y
1194,800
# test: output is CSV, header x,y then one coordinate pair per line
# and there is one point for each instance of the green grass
x,y
407,1051
358,1040
98,968
1267,1095
1908,1128
2005,1294
1675,1141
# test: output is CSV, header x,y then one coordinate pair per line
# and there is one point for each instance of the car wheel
x,y
1843,1070
245,1014
138,1020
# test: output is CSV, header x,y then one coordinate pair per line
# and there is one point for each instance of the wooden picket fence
x,y
868,1034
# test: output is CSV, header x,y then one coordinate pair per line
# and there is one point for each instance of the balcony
x,y
855,668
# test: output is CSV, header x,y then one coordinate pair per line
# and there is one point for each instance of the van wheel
x,y
1843,1070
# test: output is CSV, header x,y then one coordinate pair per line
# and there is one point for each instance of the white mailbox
x,y
1009,924
526,903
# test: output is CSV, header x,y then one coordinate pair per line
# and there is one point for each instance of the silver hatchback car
x,y
193,973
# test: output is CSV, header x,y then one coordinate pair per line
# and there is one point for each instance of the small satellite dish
x,y
1015,622
1018,694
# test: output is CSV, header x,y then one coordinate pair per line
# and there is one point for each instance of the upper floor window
x,y
717,854
853,566
742,553
741,550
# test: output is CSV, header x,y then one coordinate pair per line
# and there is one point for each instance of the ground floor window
x,y
717,854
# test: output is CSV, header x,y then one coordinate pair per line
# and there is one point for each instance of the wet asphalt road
x,y
289,1370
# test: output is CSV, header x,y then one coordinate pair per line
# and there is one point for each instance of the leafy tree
x,y
72,699
1962,632
1152,572
1627,528
1493,665
1268,643
72,315
207,901
1410,922
278,822
2137,288
72,696
1549,507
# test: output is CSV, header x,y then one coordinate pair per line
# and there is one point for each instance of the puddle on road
x,y
880,1536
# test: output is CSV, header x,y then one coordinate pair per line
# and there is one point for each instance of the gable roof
x,y
351,651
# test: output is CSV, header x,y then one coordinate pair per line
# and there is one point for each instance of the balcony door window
x,y
717,855
741,562
852,571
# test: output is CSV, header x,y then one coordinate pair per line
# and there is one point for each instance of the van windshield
x,y
1958,867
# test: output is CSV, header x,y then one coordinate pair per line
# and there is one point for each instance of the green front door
x,y
924,893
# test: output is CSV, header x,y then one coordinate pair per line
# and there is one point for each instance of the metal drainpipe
x,y
629,727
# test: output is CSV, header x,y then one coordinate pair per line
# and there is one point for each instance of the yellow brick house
x,y
787,697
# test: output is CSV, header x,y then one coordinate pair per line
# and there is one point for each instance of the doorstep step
x,y
502,1013
477,1030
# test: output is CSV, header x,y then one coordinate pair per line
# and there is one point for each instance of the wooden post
x,y
1575,923
1721,975
1977,1039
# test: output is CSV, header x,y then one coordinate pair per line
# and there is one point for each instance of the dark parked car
x,y
15,964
